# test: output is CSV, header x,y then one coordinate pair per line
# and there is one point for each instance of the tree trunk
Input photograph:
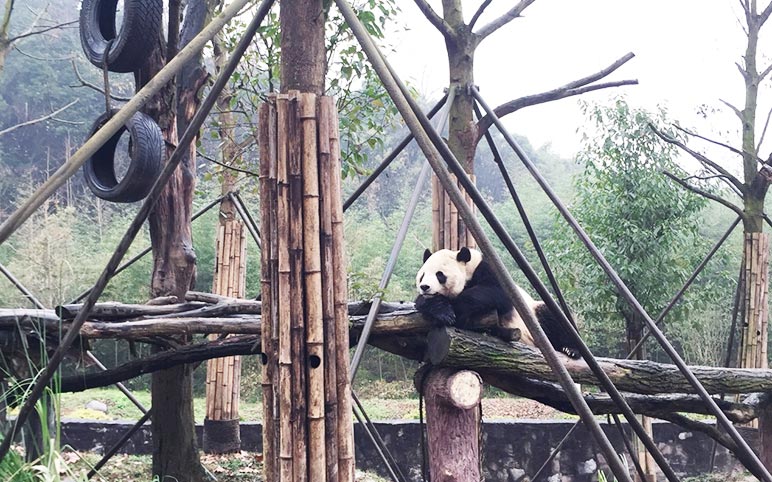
x,y
175,454
449,230
223,379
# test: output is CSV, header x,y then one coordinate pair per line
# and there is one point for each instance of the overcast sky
x,y
685,54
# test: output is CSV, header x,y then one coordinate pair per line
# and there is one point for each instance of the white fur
x,y
457,273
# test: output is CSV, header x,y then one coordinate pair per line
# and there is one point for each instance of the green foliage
x,y
647,228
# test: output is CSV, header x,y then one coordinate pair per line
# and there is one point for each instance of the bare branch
x,y
85,83
560,93
705,194
504,19
700,157
765,14
31,32
707,139
765,72
734,109
226,165
43,59
39,119
479,12
438,22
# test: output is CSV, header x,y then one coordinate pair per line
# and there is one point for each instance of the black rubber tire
x,y
140,30
146,147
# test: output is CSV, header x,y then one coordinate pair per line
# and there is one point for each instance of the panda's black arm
x,y
437,309
479,300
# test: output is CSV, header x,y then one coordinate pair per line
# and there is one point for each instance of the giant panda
x,y
455,286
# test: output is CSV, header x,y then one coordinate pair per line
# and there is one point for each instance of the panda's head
x,y
446,272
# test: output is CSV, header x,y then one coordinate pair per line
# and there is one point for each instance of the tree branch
x,y
707,139
438,22
572,88
496,24
227,166
560,93
85,83
30,33
705,194
765,14
39,119
479,12
700,157
734,109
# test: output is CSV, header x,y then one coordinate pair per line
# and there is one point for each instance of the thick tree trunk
x,y
223,375
449,230
175,454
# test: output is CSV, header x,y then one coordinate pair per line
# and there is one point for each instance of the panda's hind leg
x,y
560,338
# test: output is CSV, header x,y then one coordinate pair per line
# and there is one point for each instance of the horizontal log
x,y
464,349
553,395
117,311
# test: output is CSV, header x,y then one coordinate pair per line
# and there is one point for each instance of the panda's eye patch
x,y
441,277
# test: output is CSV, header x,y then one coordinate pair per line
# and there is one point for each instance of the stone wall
x,y
512,449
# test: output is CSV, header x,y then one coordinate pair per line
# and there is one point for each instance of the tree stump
x,y
452,423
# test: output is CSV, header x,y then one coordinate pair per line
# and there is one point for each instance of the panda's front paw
x,y
436,309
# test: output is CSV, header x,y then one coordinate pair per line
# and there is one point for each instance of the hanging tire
x,y
146,147
140,30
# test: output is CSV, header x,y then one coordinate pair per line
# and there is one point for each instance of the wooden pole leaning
x,y
307,435
139,99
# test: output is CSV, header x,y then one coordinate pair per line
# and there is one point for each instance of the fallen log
x,y
474,351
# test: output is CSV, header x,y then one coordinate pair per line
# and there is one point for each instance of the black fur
x,y
482,294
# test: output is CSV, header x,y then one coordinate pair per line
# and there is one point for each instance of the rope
x,y
106,77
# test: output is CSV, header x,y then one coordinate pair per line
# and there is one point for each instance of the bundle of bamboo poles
x,y
754,347
449,230
308,429
223,375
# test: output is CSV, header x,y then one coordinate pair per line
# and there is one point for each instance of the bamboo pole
x,y
346,463
326,106
297,310
312,269
285,293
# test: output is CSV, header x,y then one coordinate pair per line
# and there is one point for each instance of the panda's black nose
x,y
425,287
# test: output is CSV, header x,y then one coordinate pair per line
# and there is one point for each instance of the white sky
x,y
685,55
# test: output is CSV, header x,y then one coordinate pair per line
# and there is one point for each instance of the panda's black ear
x,y
464,255
427,253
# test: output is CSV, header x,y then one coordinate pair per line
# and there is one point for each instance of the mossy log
x,y
475,351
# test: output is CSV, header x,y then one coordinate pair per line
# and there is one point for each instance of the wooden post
x,y
452,423
308,430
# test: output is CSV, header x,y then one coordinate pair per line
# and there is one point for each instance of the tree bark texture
x,y
306,300
175,453
474,351
223,379
303,62
449,230
453,424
